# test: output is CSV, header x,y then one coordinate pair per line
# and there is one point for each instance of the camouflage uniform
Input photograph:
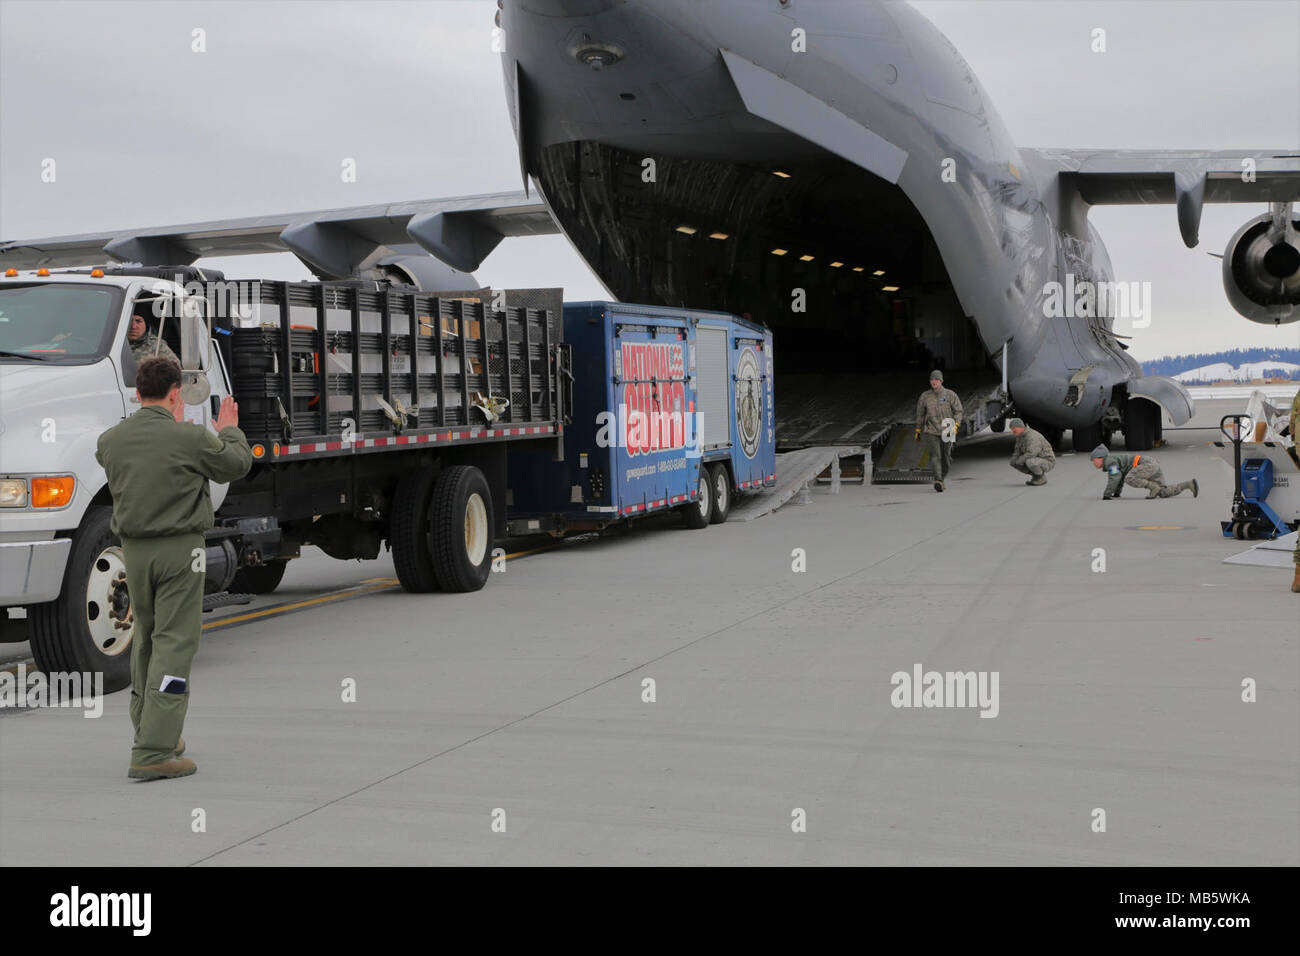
x,y
1140,471
1033,454
143,347
931,410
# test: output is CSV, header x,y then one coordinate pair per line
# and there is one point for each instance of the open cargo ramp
x,y
795,470
878,410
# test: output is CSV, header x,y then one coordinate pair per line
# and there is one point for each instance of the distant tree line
x,y
1175,364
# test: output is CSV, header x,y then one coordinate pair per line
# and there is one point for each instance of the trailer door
x,y
712,379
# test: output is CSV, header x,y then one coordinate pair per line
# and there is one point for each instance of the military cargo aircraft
x,y
832,169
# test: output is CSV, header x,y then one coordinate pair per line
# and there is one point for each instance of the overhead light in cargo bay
x,y
889,288
858,268
878,272
688,230
781,172
806,258
836,265
779,252
717,235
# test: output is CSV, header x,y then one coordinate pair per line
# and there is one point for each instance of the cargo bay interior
x,y
876,311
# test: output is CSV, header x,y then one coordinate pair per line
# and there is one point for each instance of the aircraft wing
x,y
459,231
1183,177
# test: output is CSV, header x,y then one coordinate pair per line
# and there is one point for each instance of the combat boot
x,y
1196,488
171,767
1037,480
1157,493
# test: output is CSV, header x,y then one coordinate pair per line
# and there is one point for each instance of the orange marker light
x,y
258,451
97,273
11,273
42,272
54,492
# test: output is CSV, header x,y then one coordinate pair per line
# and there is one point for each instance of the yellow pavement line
x,y
376,584
286,608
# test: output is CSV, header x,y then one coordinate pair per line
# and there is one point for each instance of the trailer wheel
x,y
259,579
461,535
89,627
697,513
720,480
408,531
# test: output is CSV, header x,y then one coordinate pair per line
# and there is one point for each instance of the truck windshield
x,y
53,322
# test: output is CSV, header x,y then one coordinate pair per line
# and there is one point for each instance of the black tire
x,y
259,579
998,425
1140,418
1051,433
60,630
408,531
461,535
720,484
697,513
1086,438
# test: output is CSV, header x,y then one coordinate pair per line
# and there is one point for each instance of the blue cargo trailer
x,y
671,408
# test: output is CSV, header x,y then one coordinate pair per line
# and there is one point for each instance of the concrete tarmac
x,y
525,705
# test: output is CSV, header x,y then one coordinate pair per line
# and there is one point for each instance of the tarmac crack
x,y
608,680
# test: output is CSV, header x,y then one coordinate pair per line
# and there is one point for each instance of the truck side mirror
x,y
196,331
195,387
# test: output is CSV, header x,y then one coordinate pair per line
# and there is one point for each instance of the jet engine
x,y
1261,268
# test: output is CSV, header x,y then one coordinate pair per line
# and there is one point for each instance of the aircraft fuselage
x,y
934,193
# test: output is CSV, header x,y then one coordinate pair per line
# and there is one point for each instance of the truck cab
x,y
67,374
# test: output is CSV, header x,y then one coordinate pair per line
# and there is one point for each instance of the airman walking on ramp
x,y
938,416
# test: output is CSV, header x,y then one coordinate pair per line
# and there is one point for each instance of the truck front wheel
x,y
461,531
89,627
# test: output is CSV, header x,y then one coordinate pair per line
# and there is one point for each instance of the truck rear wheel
x,y
720,481
408,531
259,579
460,538
698,512
89,627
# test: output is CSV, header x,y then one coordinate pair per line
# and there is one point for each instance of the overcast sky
x,y
145,132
